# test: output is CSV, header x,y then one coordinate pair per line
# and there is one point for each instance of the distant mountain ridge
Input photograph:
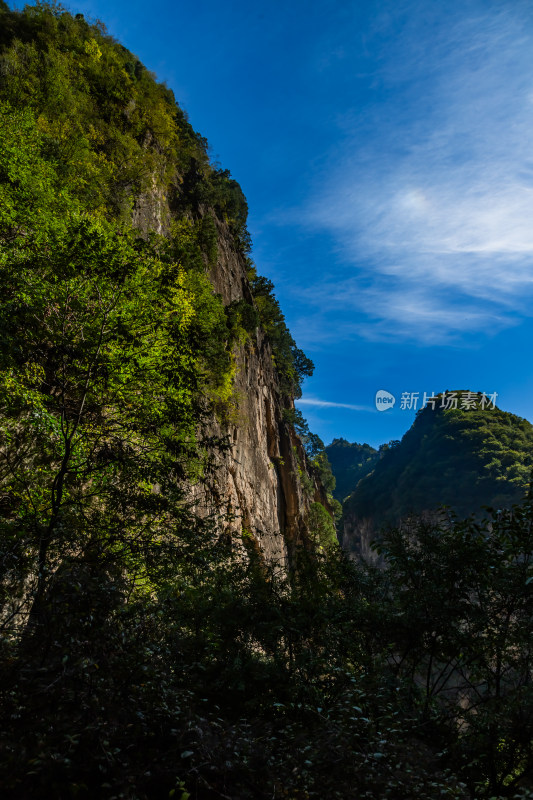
x,y
463,459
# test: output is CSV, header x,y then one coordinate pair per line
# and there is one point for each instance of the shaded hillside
x,y
464,459
349,463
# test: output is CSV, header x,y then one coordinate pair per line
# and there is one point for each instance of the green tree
x,y
459,630
109,352
349,462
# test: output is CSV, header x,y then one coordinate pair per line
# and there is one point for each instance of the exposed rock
x,y
257,482
256,486
357,538
151,211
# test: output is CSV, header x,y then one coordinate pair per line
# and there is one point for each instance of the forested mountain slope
x,y
464,459
349,463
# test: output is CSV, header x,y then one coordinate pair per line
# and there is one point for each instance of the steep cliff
x,y
257,483
119,150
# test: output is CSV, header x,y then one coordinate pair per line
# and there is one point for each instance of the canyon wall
x,y
257,484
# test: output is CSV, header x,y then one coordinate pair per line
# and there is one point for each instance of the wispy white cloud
x,y
313,401
435,215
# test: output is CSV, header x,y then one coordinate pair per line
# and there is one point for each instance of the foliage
x,y
117,140
459,626
110,354
291,363
225,679
349,462
243,319
316,454
146,652
96,106
228,200
322,527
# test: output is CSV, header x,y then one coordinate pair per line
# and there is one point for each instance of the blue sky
x,y
386,151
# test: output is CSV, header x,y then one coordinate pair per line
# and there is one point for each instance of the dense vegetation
x,y
220,678
464,459
349,463
105,133
142,654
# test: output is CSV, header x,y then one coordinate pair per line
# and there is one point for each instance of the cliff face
x,y
122,151
256,485
357,537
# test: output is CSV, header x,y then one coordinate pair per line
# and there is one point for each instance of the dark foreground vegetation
x,y
213,676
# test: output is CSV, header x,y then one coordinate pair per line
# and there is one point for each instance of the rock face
x,y
257,482
357,537
256,485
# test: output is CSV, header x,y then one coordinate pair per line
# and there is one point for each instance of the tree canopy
x,y
349,462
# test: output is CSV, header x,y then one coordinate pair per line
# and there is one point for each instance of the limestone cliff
x,y
256,486
257,482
